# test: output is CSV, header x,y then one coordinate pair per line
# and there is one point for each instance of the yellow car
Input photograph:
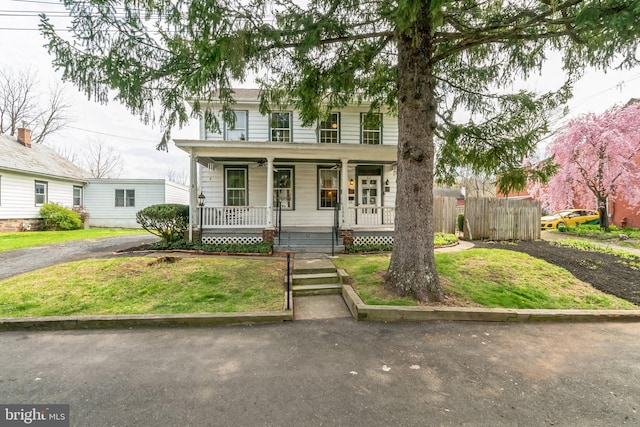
x,y
569,218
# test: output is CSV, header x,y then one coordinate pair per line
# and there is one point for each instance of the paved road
x,y
23,260
332,373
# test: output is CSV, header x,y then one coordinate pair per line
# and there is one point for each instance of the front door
x,y
369,200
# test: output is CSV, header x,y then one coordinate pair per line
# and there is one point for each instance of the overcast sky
x,y
21,47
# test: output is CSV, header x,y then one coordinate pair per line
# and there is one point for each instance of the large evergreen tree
x,y
426,60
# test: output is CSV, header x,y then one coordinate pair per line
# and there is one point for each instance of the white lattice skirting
x,y
373,240
216,240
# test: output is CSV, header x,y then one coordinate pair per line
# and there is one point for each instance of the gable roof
x,y
37,159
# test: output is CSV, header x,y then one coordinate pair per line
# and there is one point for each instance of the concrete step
x,y
319,289
313,266
303,248
314,279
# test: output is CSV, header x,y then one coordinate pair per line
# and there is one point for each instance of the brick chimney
x,y
24,136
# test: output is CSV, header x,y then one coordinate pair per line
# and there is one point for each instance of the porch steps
x,y
315,276
307,242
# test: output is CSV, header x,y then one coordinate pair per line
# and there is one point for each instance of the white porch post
x,y
344,197
269,192
193,192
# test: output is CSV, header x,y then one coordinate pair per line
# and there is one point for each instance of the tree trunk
x,y
604,214
412,268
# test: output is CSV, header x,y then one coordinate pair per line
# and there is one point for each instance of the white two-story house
x,y
268,175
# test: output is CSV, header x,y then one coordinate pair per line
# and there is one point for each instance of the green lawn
x,y
27,239
143,285
487,278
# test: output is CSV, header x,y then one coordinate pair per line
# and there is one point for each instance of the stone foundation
x,y
19,224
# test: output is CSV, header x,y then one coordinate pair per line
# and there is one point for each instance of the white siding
x,y
100,200
176,193
349,127
17,194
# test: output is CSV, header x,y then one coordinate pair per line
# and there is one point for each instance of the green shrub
x,y
167,221
461,222
56,217
439,239
232,248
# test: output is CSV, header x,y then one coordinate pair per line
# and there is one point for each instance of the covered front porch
x,y
249,186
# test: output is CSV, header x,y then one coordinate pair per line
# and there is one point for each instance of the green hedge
x,y
167,221
56,217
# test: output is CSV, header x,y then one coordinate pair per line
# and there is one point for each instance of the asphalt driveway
x,y
29,259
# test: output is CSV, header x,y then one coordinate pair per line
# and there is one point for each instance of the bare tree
x,y
178,176
102,161
68,153
20,106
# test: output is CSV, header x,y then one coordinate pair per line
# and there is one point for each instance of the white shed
x,y
115,202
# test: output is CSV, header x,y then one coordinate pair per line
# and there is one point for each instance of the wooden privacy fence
x,y
444,214
501,219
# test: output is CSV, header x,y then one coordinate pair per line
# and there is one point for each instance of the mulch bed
x,y
606,272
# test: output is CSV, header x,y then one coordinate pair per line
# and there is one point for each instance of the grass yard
x,y
144,285
27,239
488,278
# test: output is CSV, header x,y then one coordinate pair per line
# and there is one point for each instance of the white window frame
x,y
329,130
324,175
44,194
277,133
127,199
80,196
244,189
279,188
236,133
366,134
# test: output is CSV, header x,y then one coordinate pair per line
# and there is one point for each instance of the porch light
x,y
352,182
201,200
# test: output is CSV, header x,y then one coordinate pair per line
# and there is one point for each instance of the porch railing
x,y
234,216
372,216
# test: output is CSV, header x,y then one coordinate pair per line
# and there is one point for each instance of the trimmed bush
x,y
167,221
56,217
461,222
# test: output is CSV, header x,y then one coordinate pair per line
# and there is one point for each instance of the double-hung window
x,y
235,181
329,129
328,179
41,191
280,127
125,198
370,128
283,188
77,195
237,131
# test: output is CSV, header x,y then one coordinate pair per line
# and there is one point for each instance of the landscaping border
x,y
388,313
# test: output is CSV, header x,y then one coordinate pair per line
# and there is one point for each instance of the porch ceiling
x,y
306,152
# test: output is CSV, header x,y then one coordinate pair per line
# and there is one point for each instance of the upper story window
x,y
329,131
370,128
77,195
235,181
239,130
280,127
41,192
125,198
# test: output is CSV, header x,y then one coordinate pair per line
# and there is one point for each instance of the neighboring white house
x,y
115,202
31,175
340,172
34,174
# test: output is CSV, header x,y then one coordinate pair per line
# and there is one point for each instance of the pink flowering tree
x,y
598,158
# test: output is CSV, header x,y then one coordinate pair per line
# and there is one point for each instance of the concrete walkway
x,y
333,306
